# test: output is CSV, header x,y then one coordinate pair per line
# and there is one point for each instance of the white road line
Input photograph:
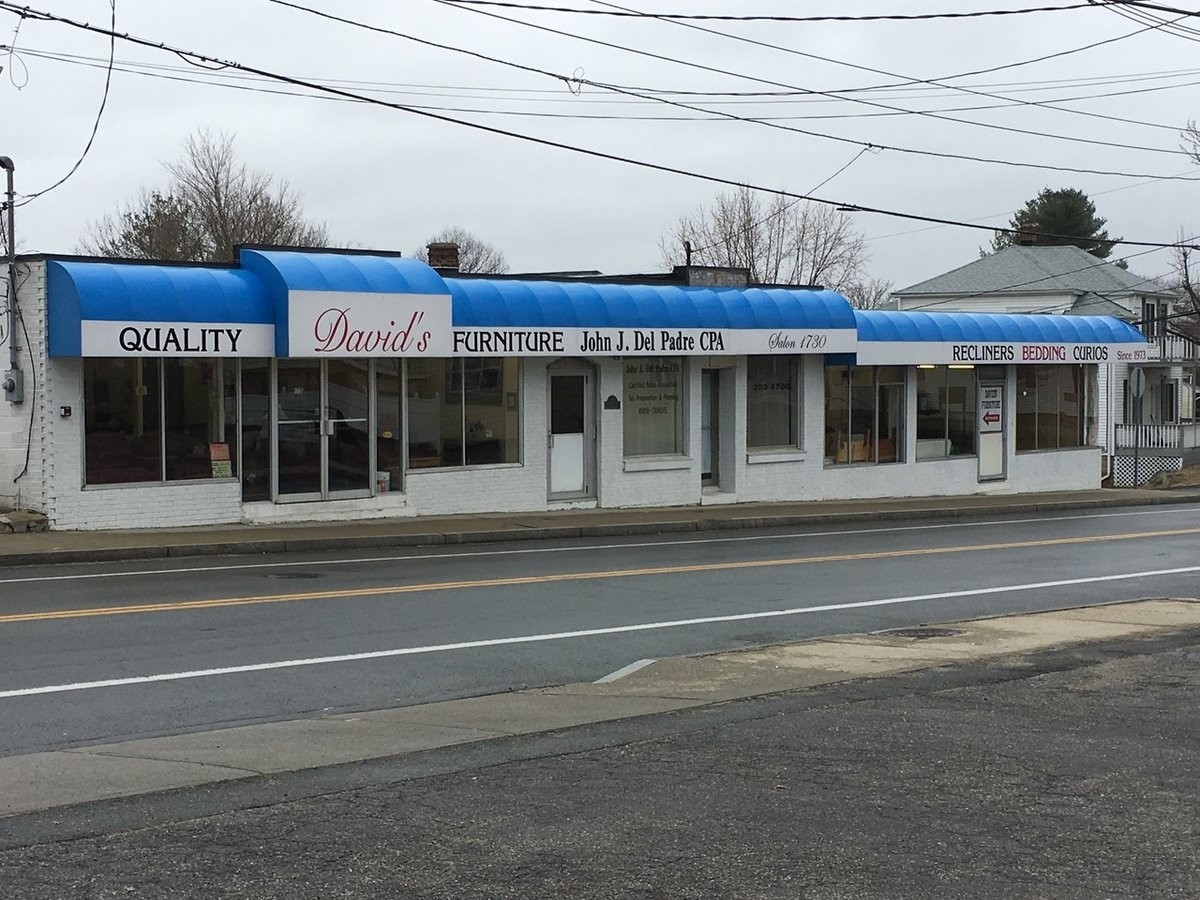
x,y
568,635
625,670
682,541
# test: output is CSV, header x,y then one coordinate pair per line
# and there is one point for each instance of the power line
x,y
771,98
943,82
112,48
892,17
532,139
713,69
783,209
573,81
237,81
1011,287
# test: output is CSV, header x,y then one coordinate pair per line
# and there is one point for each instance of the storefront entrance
x,y
710,431
323,442
572,441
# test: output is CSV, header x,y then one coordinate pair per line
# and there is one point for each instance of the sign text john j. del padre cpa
x,y
341,323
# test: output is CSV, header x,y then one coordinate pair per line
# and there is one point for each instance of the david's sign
x,y
347,324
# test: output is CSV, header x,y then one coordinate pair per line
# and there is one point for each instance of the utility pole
x,y
13,381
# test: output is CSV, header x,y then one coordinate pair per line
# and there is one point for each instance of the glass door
x,y
347,437
323,440
299,444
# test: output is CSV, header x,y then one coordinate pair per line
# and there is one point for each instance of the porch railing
x,y
1157,437
1174,348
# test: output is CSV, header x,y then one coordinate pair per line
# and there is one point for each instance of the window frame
x,y
946,372
870,449
1087,415
219,365
681,425
796,407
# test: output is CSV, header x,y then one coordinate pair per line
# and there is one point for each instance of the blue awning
x,y
103,298
287,274
497,303
914,337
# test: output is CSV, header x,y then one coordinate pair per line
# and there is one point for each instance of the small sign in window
x,y
222,467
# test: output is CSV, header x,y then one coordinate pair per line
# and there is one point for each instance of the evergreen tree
x,y
1060,217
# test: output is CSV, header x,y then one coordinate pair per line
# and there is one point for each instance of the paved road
x,y
243,641
1068,774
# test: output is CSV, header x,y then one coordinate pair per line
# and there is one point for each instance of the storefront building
x,y
301,386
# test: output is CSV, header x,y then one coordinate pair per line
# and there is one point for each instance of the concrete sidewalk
x,y
50,548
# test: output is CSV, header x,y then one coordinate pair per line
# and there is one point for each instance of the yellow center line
x,y
218,603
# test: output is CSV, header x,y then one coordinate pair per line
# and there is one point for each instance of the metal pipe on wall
x,y
13,383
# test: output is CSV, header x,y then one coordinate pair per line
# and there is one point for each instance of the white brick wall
x,y
29,490
54,480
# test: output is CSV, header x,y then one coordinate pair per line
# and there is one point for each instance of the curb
x,y
506,533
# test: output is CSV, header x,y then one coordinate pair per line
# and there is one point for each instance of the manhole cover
x,y
921,633
295,575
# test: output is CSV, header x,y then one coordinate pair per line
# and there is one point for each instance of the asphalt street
x,y
102,652
1064,774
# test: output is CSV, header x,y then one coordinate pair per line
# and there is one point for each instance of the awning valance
x,y
915,337
130,309
500,316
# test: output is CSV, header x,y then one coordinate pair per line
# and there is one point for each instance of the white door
x,y
570,438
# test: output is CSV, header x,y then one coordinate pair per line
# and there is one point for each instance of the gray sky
x,y
387,179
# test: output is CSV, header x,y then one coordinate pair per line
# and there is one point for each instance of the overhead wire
x,y
783,209
772,98
256,85
6,5
574,80
906,80
1021,284
744,17
726,72
112,48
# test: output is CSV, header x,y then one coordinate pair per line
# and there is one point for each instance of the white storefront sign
x,y
108,338
647,341
991,408
343,323
979,353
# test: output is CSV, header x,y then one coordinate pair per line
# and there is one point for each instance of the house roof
x,y
1019,269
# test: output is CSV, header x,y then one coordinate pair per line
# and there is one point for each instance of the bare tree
x,y
475,255
154,226
1191,140
212,204
780,241
868,293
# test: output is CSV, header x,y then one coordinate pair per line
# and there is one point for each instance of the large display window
x,y
653,406
153,420
463,412
772,402
1056,407
946,398
864,414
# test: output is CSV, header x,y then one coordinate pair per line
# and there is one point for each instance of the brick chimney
x,y
443,257
1027,235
